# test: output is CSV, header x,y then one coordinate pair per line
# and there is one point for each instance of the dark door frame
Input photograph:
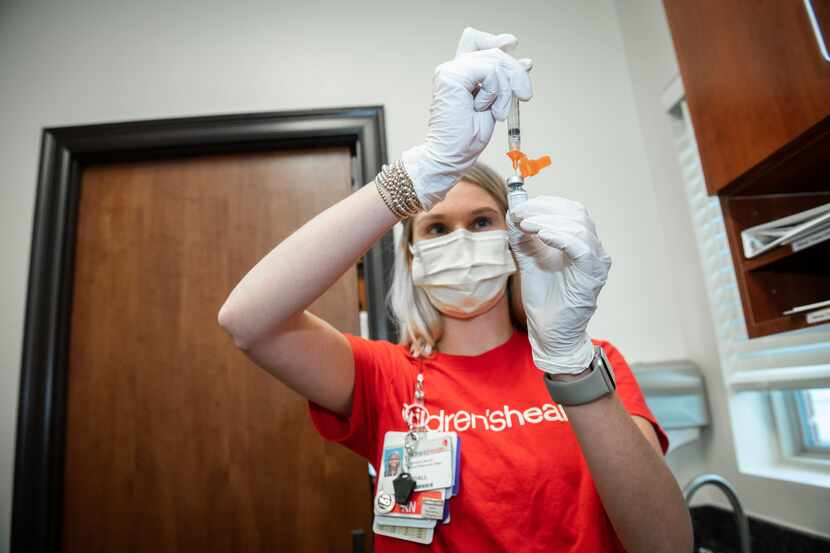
x,y
65,151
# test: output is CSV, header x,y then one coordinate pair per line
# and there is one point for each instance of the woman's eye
x,y
436,228
482,222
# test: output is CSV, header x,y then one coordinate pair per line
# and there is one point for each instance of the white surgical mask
x,y
463,273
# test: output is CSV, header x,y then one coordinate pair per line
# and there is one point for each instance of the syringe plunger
x,y
514,133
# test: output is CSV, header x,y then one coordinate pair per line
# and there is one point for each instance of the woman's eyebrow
x,y
483,210
440,216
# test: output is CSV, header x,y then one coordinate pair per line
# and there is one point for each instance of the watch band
x,y
597,383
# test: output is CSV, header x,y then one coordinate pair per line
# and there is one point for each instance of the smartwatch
x,y
597,383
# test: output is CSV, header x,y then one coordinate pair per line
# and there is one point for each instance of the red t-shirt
x,y
525,485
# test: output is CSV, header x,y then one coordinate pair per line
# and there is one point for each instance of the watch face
x,y
606,367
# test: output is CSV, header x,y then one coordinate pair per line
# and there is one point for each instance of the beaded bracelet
x,y
397,191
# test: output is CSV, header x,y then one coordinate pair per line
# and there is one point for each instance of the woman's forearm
x,y
304,265
637,488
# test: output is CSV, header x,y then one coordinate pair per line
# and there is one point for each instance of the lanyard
x,y
416,415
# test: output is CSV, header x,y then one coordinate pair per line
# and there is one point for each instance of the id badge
x,y
409,533
432,464
427,505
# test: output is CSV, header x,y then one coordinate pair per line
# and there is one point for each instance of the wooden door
x,y
175,441
754,77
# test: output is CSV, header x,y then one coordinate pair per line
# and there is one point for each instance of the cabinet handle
x,y
811,13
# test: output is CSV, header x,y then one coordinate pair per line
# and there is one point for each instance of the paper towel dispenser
x,y
676,394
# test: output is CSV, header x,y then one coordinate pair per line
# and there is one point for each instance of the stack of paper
x,y
816,313
800,231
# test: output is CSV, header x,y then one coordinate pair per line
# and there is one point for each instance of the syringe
x,y
517,193
514,133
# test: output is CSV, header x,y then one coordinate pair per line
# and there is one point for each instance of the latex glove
x,y
473,40
563,267
461,124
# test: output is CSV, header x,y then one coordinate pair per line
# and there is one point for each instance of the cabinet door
x,y
754,76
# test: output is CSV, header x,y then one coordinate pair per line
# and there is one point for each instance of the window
x,y
812,411
778,385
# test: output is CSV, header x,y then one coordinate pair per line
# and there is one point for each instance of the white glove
x,y
461,124
563,267
473,40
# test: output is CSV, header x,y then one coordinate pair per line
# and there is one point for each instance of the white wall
x,y
652,64
85,61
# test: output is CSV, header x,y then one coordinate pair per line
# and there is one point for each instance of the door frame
x,y
65,151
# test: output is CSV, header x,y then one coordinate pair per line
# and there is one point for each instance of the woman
x,y
393,463
535,476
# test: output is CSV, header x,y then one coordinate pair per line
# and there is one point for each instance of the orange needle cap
x,y
530,167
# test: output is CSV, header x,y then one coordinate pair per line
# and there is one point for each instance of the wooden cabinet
x,y
758,89
755,80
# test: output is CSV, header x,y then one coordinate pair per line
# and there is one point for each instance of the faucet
x,y
728,490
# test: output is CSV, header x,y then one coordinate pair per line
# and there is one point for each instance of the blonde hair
x,y
419,324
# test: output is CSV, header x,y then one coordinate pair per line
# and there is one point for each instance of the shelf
x,y
796,280
780,279
820,252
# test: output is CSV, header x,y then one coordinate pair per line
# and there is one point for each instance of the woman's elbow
x,y
227,321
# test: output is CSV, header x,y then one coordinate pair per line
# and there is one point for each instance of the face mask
x,y
463,273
